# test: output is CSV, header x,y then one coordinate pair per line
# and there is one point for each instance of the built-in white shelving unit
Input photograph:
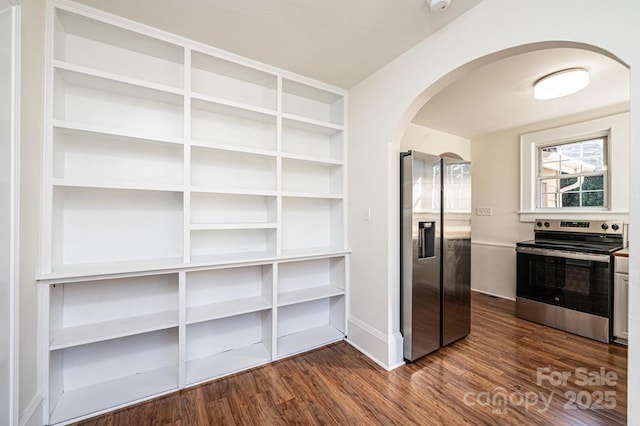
x,y
194,213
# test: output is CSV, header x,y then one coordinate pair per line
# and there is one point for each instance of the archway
x,y
382,106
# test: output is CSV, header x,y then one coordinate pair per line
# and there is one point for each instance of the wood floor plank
x,y
482,379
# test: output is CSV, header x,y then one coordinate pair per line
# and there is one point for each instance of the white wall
x,y
496,184
32,101
432,141
381,107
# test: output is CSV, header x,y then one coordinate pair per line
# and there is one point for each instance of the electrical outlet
x,y
484,211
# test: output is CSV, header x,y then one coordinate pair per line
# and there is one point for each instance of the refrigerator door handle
x,y
426,239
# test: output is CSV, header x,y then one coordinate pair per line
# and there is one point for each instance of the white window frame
x,y
617,128
604,172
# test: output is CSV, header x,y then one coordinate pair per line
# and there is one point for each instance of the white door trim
x,y
13,7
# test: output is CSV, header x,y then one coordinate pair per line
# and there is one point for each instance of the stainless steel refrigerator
x,y
435,251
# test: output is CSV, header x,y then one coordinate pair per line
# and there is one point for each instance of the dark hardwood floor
x,y
491,377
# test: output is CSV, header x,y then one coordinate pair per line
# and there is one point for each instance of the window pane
x,y
571,199
560,170
550,153
570,151
551,169
571,167
549,200
590,183
592,164
593,148
548,185
593,199
569,184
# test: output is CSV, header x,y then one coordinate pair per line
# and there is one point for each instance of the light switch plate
x,y
366,214
484,211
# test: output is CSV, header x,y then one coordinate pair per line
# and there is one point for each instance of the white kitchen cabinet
x,y
194,213
621,299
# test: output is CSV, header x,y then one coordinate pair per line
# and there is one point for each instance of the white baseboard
x,y
499,296
386,351
32,414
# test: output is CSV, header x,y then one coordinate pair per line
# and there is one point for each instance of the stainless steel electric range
x,y
565,276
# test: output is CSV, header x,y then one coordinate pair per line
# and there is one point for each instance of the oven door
x,y
578,281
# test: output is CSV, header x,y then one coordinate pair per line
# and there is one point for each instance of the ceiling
x,y
499,96
339,42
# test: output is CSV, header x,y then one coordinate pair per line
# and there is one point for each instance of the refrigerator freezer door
x,y
420,254
456,250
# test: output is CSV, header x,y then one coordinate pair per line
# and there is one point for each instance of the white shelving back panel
x,y
231,126
95,44
94,101
102,375
311,178
82,365
304,326
300,275
103,301
218,243
312,140
228,362
223,346
229,208
80,156
311,102
108,225
225,286
231,81
303,316
311,223
217,169
213,337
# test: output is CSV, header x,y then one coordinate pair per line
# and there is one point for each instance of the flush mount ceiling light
x,y
561,83
438,5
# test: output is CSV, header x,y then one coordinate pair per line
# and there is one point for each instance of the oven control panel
x,y
588,226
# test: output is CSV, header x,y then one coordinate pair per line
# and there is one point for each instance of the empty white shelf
x,y
115,77
227,362
113,185
313,122
90,399
313,159
133,136
232,258
238,191
100,331
308,294
305,340
226,309
214,226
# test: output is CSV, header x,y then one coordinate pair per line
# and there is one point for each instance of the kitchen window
x,y
572,174
576,171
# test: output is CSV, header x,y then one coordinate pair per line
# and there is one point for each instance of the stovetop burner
x,y
599,237
582,247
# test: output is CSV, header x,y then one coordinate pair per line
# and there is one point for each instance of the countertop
x,y
622,253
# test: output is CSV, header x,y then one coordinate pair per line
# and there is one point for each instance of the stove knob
x,y
605,226
615,227
547,224
539,224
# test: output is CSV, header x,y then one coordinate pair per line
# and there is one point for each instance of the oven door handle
x,y
564,254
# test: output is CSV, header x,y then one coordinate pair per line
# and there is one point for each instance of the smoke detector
x,y
438,5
